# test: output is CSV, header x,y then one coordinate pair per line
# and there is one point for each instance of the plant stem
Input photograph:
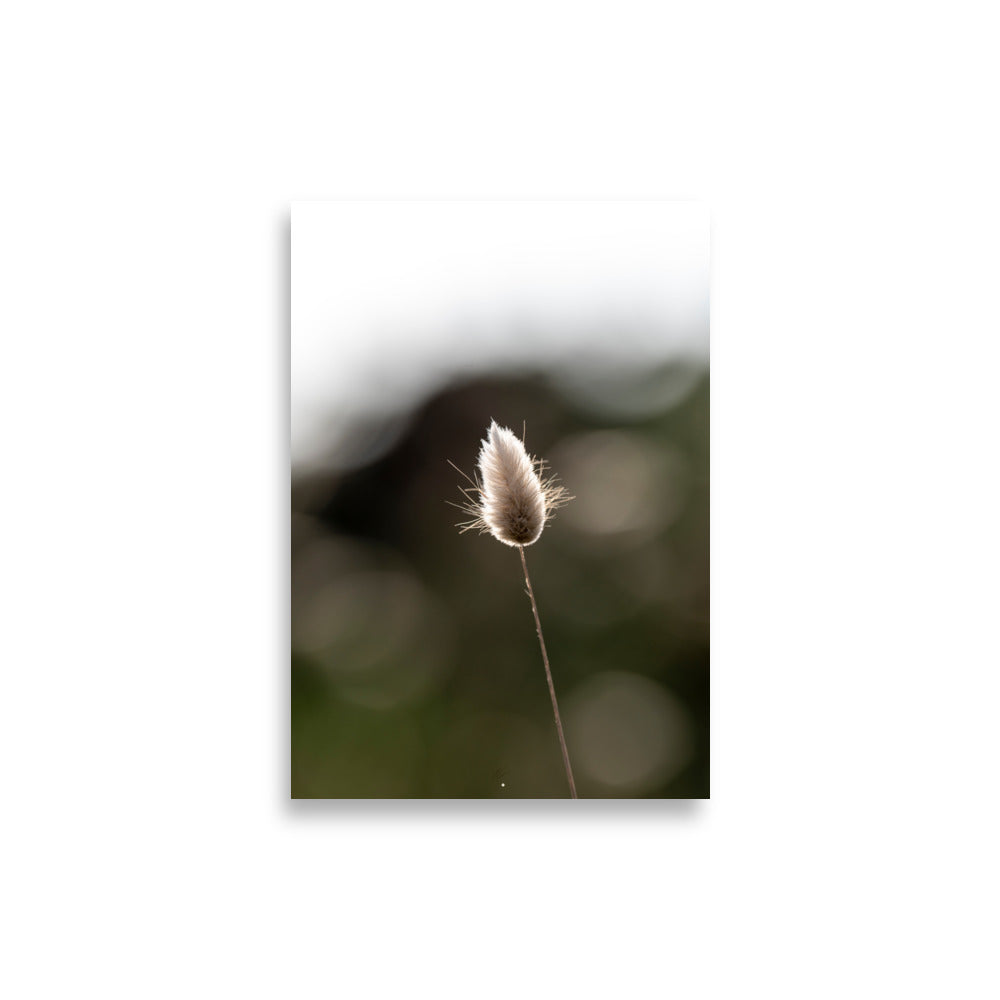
x,y
548,675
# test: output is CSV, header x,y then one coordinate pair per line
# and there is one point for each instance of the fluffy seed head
x,y
510,500
513,501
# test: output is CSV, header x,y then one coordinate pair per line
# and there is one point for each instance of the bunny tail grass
x,y
513,500
548,677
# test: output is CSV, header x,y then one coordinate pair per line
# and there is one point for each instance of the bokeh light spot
x,y
628,732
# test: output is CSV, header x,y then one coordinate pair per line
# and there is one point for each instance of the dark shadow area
x,y
415,669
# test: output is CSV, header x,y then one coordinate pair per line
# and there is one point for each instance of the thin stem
x,y
548,675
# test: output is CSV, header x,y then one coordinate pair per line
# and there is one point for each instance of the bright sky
x,y
391,297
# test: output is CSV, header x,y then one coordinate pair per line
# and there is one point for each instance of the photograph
x,y
499,499
500,503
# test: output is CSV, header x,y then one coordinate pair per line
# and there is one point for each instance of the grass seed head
x,y
511,499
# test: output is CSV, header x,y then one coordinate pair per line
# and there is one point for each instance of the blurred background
x,y
415,668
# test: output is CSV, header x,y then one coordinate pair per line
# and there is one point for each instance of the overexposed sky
x,y
389,298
